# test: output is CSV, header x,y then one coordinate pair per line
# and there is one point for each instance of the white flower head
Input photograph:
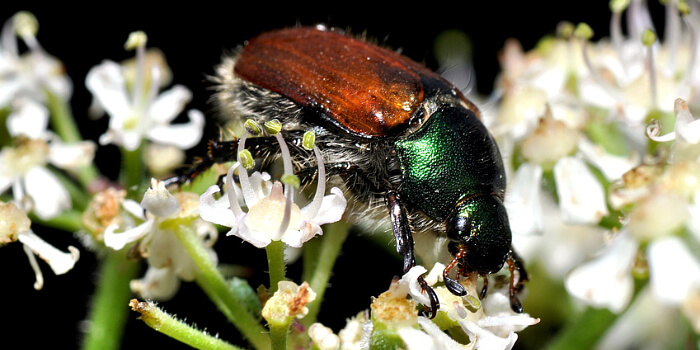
x,y
272,214
28,74
23,167
141,112
15,226
166,256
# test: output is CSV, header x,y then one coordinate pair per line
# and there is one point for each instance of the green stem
x,y
64,124
278,335
275,264
133,170
109,312
69,221
333,238
176,329
214,285
584,331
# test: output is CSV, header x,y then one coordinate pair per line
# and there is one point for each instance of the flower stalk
x,y
214,285
275,263
157,319
323,259
109,315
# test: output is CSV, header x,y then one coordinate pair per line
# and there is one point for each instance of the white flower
x,y
581,195
606,281
30,73
160,245
323,337
288,302
267,218
491,326
632,78
431,338
140,112
15,225
23,167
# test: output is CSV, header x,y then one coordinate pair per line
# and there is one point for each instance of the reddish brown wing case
x,y
363,88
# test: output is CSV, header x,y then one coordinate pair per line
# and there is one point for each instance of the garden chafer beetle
x,y
396,135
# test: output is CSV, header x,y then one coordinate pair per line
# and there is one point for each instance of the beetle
x,y
398,136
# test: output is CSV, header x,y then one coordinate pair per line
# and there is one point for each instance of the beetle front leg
x,y
404,244
515,263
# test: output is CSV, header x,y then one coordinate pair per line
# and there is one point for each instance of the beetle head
x,y
480,224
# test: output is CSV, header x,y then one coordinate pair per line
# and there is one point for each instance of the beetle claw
x,y
431,310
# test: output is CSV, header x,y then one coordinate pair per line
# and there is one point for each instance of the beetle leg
x,y
404,245
522,274
452,285
485,288
225,151
401,229
515,264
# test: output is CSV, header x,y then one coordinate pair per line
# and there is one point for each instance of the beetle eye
x,y
458,228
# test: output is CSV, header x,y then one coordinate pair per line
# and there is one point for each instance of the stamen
x,y
320,186
584,32
289,191
35,266
26,26
137,41
648,39
154,86
617,7
246,189
672,33
693,52
231,192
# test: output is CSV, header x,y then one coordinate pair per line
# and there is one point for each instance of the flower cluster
x,y
618,202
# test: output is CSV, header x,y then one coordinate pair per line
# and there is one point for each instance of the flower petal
x,y
157,284
410,281
307,231
258,239
606,281
169,104
117,241
59,261
216,212
29,119
523,200
183,136
158,200
673,270
483,339
71,155
611,166
107,84
332,208
581,196
49,195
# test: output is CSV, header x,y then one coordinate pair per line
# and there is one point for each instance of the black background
x,y
193,37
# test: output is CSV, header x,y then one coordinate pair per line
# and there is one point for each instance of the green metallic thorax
x,y
451,157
